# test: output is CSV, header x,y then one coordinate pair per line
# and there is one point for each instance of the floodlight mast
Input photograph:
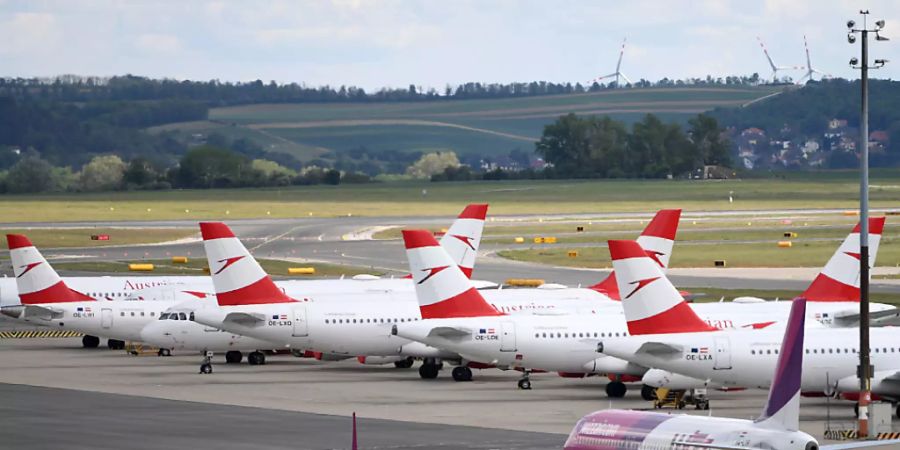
x,y
865,369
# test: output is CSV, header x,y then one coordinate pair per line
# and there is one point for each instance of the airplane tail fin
x,y
36,280
657,239
782,410
237,277
462,239
652,304
839,279
442,289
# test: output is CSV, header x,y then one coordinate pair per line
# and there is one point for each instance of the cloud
x,y
158,43
30,33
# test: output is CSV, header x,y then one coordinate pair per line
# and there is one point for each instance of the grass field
x,y
407,199
275,267
81,237
484,127
686,254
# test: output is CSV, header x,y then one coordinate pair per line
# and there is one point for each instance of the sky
x,y
395,43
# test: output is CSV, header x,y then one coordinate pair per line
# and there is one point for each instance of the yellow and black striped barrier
x,y
39,334
886,436
847,434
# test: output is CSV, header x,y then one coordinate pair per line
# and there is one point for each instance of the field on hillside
x,y
482,127
428,199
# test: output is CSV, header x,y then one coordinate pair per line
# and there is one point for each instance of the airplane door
x,y
301,324
723,354
106,317
507,336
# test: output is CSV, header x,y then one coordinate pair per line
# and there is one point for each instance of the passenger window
x,y
122,313
152,313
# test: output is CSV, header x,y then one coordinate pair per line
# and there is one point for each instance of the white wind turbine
x,y
775,68
810,70
618,73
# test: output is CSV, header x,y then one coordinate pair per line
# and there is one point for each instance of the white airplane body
x,y
566,343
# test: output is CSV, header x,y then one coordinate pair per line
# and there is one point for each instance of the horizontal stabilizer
x,y
850,318
660,349
245,319
449,332
41,312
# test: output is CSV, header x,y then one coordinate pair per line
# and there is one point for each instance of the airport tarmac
x,y
289,384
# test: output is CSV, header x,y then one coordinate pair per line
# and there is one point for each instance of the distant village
x,y
756,150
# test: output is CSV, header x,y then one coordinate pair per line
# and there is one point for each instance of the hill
x,y
472,128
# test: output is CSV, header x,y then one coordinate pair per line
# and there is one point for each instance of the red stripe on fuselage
x,y
58,293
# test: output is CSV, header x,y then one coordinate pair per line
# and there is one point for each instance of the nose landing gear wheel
x,y
206,368
525,384
462,373
164,352
616,389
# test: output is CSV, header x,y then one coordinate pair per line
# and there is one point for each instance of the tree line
x,y
601,147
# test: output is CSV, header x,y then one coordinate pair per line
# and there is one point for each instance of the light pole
x,y
865,369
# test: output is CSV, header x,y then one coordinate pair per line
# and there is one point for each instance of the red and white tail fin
x,y
652,304
36,280
658,239
839,279
441,287
237,277
463,237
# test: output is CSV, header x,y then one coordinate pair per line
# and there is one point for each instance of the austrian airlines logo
x,y
431,272
228,262
654,255
465,239
640,285
28,267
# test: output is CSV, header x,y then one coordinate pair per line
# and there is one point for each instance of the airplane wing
x,y
660,349
850,318
863,444
245,319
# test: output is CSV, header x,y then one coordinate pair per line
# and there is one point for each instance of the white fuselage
x,y
748,358
175,330
121,319
640,430
568,343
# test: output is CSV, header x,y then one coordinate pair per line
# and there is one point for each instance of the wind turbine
x,y
775,68
618,73
809,68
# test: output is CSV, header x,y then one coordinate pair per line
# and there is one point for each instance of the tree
x,y
707,136
139,173
30,174
208,167
431,164
102,173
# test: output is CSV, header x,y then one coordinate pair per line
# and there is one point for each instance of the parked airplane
x,y
778,427
735,357
458,321
359,325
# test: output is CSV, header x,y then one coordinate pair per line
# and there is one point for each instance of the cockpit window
x,y
182,316
191,317
163,316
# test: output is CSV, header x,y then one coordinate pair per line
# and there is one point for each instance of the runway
x,y
323,239
37,417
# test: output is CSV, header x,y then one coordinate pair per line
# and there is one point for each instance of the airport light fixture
x,y
865,369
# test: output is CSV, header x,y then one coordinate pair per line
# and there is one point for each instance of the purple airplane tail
x,y
782,410
354,445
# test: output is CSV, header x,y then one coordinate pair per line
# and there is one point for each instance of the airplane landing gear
x,y
164,352
648,393
616,389
115,344
404,364
256,358
90,341
429,369
462,373
233,357
524,382
206,366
